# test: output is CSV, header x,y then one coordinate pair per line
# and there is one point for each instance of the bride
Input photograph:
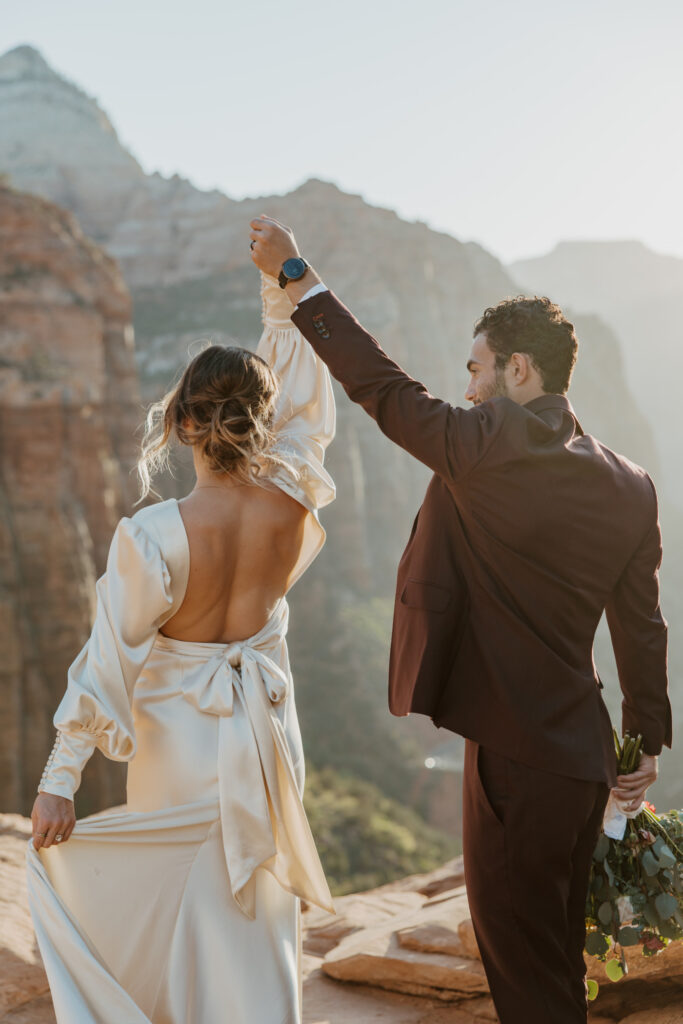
x,y
184,906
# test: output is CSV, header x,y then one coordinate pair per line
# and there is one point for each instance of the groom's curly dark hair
x,y
539,329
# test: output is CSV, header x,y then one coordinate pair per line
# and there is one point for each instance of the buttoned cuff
x,y
62,773
315,290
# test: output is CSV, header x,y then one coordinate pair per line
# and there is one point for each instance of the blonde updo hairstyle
x,y
224,402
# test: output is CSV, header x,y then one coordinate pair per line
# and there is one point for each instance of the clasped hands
x,y
271,244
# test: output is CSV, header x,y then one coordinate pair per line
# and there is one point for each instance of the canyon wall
x,y
69,406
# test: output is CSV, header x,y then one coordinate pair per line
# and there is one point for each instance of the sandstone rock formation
x,y
57,142
69,406
42,116
415,938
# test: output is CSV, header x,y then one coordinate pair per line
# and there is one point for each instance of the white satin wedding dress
x,y
184,907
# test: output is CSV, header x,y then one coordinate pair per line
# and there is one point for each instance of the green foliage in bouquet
x,y
635,895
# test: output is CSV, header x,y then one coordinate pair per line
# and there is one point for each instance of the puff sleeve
x,y
133,599
305,416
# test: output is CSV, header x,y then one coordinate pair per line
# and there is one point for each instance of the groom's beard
x,y
495,389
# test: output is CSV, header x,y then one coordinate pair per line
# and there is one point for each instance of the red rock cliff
x,y
69,406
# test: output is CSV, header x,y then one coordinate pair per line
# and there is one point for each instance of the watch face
x,y
294,268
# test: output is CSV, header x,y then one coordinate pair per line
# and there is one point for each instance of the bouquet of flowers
x,y
635,896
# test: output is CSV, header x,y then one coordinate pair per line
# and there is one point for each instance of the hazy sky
x,y
516,124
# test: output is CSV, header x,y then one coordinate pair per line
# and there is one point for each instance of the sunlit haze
x,y
515,125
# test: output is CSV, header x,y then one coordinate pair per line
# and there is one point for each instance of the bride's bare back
x,y
244,545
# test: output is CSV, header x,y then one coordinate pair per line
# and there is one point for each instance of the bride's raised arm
x,y
305,417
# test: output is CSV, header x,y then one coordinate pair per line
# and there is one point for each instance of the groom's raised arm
x,y
449,440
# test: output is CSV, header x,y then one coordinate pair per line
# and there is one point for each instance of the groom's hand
x,y
630,789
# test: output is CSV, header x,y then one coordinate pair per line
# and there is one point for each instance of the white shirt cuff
x,y
315,290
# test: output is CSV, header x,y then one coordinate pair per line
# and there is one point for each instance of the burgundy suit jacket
x,y
529,530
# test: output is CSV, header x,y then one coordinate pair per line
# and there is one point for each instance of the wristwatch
x,y
292,270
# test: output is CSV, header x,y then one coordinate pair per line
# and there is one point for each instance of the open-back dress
x,y
184,908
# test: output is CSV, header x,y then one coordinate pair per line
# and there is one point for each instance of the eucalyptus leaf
x,y
614,970
596,944
666,905
609,872
606,912
651,915
650,863
602,847
666,857
629,936
593,988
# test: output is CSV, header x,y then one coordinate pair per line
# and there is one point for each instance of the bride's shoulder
x,y
162,523
156,514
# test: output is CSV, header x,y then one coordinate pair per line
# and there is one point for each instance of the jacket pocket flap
x,y
430,596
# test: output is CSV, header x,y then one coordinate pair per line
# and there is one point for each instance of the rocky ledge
x,y
404,953
407,953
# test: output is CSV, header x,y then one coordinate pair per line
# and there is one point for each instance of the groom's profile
x,y
528,531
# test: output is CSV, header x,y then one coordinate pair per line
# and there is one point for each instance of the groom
x,y
529,530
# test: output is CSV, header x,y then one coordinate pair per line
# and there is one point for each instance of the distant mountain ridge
x,y
53,137
639,293
594,271
57,142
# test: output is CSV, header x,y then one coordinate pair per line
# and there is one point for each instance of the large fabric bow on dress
x,y
262,815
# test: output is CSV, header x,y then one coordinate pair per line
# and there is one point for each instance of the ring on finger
x,y
41,834
58,838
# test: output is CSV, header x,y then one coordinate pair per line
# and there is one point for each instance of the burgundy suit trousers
x,y
528,841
